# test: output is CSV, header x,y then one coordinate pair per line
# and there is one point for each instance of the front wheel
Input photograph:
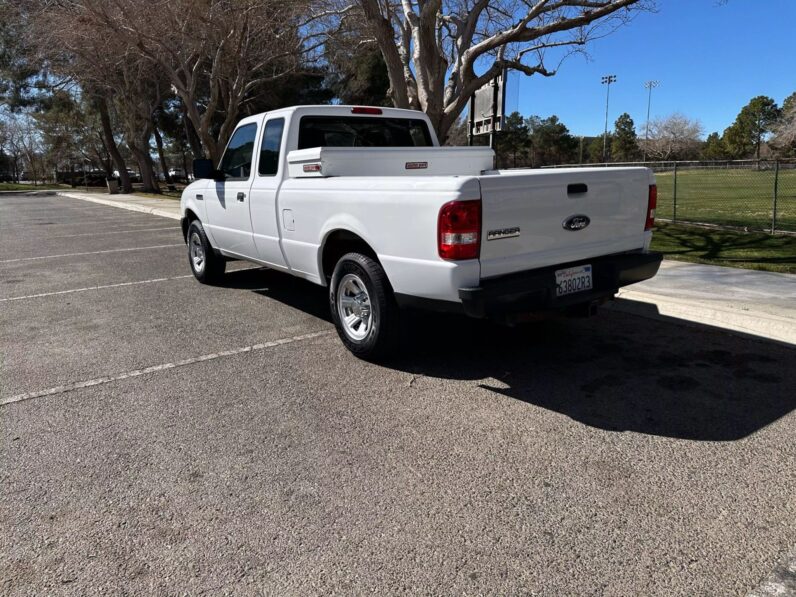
x,y
363,307
207,267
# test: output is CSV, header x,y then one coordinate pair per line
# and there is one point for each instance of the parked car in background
x,y
134,176
177,174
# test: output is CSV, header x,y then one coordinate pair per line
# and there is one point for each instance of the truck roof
x,y
339,110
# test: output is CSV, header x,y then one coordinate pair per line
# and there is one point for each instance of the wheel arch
x,y
337,243
185,222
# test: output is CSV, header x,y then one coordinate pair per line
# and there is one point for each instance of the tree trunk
x,y
146,167
113,149
161,154
201,124
105,159
184,166
190,133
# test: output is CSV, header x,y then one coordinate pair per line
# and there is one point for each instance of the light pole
x,y
649,86
607,80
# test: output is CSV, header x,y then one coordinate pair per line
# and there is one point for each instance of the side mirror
x,y
204,168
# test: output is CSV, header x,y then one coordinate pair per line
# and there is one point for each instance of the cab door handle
x,y
241,196
577,189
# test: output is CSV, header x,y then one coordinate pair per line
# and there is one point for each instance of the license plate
x,y
573,279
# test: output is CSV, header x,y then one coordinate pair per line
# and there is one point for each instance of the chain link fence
x,y
745,194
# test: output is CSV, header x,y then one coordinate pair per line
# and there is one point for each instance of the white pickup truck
x,y
364,201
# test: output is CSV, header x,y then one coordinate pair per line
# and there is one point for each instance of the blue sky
x,y
711,58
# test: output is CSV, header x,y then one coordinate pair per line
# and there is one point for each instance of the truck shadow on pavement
x,y
619,372
289,290
616,371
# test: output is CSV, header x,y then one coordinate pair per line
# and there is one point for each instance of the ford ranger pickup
x,y
364,201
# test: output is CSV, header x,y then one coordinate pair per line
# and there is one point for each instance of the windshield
x,y
359,131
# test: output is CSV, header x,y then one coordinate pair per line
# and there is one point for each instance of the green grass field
x,y
730,197
748,250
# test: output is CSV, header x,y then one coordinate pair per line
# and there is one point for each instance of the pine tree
x,y
513,141
714,148
552,142
596,150
624,145
754,121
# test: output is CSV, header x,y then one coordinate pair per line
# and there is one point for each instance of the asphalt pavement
x,y
160,436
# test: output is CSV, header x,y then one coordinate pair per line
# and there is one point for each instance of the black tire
x,y
382,337
211,268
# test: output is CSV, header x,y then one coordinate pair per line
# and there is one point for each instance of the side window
x,y
237,160
269,154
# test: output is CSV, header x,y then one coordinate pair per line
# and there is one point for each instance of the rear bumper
x,y
535,290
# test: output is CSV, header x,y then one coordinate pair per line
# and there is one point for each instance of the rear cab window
x,y
361,131
269,152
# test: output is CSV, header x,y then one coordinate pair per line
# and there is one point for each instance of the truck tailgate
x,y
530,217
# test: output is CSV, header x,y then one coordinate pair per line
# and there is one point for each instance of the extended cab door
x,y
265,216
227,201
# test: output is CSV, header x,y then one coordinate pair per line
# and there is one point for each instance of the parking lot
x,y
159,436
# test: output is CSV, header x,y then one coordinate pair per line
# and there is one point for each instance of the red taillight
x,y
366,110
459,230
652,203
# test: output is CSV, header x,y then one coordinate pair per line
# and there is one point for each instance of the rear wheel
x,y
206,265
363,307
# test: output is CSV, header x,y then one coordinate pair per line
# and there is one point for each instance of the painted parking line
x,y
51,237
120,285
112,232
157,368
45,222
92,253
129,218
88,288
106,223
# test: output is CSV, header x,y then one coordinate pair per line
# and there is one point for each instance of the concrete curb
x,y
782,580
45,192
756,323
155,211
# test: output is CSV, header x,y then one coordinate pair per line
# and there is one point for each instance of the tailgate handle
x,y
577,189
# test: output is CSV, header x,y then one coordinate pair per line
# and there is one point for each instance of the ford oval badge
x,y
578,222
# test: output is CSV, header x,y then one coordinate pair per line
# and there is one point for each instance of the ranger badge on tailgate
x,y
503,233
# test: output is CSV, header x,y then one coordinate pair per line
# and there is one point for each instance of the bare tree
x,y
138,95
23,142
439,52
784,140
120,81
213,53
675,137
10,147
69,132
101,105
